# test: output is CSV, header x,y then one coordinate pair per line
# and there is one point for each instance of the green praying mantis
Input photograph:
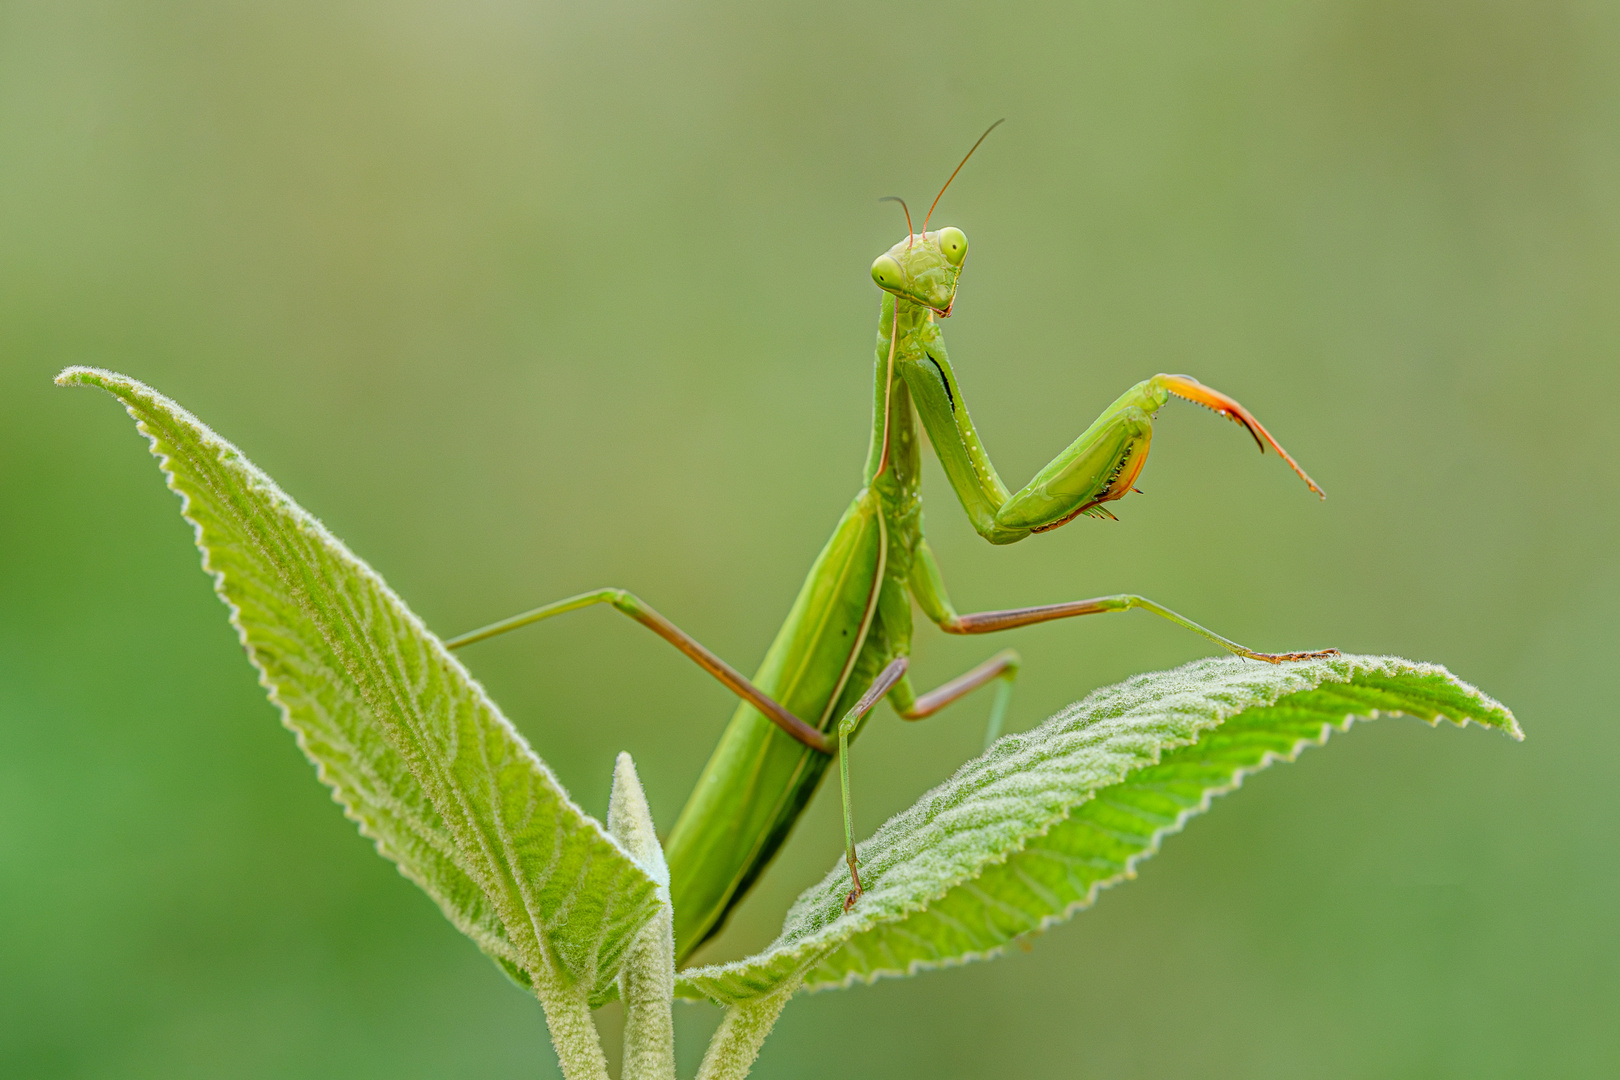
x,y
846,641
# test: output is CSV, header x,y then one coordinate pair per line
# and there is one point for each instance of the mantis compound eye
x,y
953,245
886,272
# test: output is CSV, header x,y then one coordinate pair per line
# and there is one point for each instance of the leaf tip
x,y
78,375
1510,725
1482,709
629,820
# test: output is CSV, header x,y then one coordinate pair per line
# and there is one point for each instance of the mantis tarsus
x,y
846,641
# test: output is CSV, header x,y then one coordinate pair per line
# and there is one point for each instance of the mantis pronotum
x,y
846,641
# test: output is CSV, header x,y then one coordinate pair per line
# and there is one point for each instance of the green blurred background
x,y
524,297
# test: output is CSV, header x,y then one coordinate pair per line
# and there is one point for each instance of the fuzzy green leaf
x,y
411,746
1027,834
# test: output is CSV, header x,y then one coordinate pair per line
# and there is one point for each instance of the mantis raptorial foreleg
x,y
629,604
1097,468
1104,462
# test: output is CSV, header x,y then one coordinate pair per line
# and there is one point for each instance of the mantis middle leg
x,y
929,588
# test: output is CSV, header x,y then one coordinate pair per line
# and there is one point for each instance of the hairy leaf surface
x,y
411,746
1027,834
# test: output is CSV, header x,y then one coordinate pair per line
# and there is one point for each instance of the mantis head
x,y
923,268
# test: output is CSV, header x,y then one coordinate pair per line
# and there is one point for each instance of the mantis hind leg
x,y
629,604
892,681
886,681
1003,666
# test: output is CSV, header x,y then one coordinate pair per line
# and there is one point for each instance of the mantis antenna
x,y
907,209
941,194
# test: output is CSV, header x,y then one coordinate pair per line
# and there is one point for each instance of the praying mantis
x,y
846,642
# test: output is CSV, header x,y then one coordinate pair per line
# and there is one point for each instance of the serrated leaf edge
x,y
123,388
689,986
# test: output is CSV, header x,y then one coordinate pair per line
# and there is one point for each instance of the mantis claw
x,y
1288,657
857,892
1190,389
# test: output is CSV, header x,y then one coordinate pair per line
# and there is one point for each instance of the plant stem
x,y
736,1044
646,985
573,1032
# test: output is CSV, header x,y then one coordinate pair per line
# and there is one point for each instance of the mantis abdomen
x,y
758,780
